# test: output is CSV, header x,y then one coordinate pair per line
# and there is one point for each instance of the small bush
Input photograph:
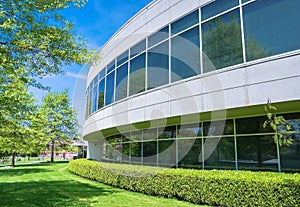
x,y
213,187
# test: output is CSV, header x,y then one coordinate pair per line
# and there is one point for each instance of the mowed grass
x,y
52,185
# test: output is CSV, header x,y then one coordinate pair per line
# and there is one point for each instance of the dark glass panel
x,y
244,1
189,130
101,94
185,22
122,58
217,7
218,128
290,155
271,27
89,102
136,150
125,152
251,125
219,153
136,136
167,153
149,153
257,152
121,82
167,132
138,48
137,74
293,120
95,98
185,55
150,134
111,66
109,91
189,151
158,36
95,80
158,65
222,42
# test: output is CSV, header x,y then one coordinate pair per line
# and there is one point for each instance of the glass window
x,y
158,65
266,32
150,134
251,125
111,66
89,102
138,48
167,153
95,80
95,98
290,155
219,153
167,132
217,7
101,94
121,82
102,73
158,36
222,42
150,153
257,152
136,152
122,58
185,22
137,74
189,153
109,90
244,1
217,128
185,55
293,120
190,130
125,152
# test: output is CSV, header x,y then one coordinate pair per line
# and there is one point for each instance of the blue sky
x,y
96,22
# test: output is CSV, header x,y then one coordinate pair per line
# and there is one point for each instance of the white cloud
x,y
79,76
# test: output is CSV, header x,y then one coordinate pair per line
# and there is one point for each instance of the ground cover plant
x,y
53,185
213,187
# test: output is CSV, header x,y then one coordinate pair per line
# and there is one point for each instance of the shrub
x,y
213,187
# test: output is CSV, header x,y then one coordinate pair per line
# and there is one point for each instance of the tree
x,y
35,36
22,125
61,118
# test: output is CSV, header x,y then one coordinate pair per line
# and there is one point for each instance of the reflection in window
x,y
158,36
266,32
218,128
185,22
256,152
189,130
121,82
138,48
166,153
222,42
251,125
217,7
290,155
136,149
219,153
167,132
150,134
149,153
185,55
102,73
111,66
137,74
158,65
95,98
122,58
101,93
109,92
189,153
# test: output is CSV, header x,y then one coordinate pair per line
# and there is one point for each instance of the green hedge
x,y
213,187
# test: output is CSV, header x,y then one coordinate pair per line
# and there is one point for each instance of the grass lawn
x,y
52,185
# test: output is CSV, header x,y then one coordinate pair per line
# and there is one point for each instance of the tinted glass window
x,y
268,33
244,1
101,94
158,36
158,65
102,73
137,74
218,128
111,66
185,55
109,92
222,42
189,130
185,22
121,82
251,125
217,7
122,58
95,98
140,47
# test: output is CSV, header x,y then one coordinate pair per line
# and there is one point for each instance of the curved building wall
x,y
182,62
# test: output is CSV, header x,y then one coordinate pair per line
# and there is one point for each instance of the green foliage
x,y
215,187
278,124
61,119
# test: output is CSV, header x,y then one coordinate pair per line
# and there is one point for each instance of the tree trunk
x,y
13,159
52,150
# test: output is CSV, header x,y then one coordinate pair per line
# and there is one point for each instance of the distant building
x,y
184,83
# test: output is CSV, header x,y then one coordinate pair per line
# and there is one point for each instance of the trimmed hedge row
x,y
214,187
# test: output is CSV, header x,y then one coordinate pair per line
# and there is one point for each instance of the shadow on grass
x,y
22,171
49,193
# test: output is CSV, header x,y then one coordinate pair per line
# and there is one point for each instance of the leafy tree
x,y
35,36
22,125
61,118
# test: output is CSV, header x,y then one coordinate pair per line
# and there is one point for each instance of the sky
x,y
96,22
